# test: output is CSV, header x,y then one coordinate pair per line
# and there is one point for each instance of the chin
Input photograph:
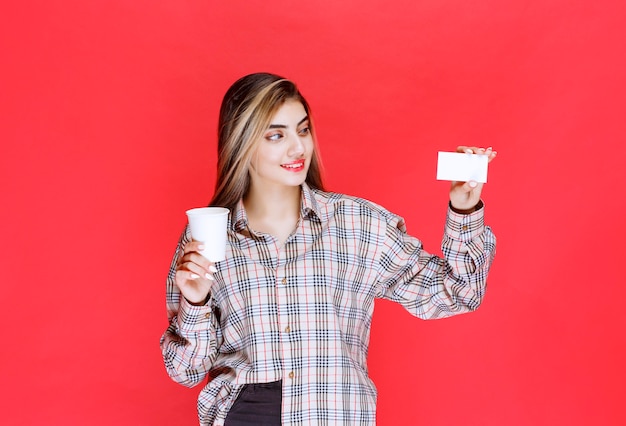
x,y
298,182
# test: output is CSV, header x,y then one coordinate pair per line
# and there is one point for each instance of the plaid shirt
x,y
301,313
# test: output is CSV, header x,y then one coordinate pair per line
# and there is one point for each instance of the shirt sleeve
x,y
432,287
191,341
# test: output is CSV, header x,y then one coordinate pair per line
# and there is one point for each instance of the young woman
x,y
280,329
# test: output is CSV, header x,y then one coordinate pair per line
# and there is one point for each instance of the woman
x,y
281,327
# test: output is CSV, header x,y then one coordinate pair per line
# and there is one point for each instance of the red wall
x,y
108,115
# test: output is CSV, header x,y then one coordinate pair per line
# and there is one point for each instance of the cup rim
x,y
207,211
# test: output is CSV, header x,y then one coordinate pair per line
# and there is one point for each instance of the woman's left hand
x,y
466,195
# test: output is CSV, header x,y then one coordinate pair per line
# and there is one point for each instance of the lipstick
x,y
294,166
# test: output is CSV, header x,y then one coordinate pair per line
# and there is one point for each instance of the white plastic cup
x,y
208,226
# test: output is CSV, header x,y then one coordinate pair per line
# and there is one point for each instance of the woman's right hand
x,y
194,275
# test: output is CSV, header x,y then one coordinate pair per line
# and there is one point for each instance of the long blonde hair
x,y
247,109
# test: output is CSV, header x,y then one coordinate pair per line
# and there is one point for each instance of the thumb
x,y
471,185
464,187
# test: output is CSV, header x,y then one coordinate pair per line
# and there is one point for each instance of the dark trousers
x,y
258,404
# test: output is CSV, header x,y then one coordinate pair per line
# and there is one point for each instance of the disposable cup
x,y
208,226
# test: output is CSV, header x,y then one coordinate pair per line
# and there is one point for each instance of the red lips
x,y
294,166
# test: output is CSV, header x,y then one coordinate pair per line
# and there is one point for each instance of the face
x,y
283,154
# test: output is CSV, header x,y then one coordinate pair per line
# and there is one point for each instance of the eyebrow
x,y
282,126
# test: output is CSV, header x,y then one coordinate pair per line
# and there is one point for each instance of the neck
x,y
273,203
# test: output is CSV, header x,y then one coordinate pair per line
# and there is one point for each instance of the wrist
x,y
477,207
201,303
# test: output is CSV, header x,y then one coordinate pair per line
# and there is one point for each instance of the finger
x,y
465,186
468,186
470,149
182,276
472,185
198,270
476,150
191,253
198,264
200,260
192,246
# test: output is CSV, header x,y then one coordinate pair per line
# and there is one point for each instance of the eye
x,y
274,136
304,131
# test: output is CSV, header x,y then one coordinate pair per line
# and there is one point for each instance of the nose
x,y
296,146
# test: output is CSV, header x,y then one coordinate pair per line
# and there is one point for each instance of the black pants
x,y
258,404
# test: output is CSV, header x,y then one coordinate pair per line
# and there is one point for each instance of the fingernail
x,y
473,184
468,151
201,247
490,148
212,269
194,276
209,277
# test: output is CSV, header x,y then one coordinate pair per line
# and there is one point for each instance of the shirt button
x,y
284,281
292,375
464,227
287,329
207,315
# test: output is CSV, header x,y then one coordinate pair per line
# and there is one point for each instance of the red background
x,y
108,121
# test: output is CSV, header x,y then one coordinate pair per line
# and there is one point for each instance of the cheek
x,y
272,154
310,146
264,157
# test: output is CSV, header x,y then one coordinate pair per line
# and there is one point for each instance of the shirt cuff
x,y
194,318
465,227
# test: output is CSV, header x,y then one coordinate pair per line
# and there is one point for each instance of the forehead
x,y
289,113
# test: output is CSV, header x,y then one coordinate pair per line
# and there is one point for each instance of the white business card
x,y
461,167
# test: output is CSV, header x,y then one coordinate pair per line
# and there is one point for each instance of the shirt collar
x,y
239,219
309,209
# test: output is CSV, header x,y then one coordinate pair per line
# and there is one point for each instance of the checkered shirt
x,y
301,313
